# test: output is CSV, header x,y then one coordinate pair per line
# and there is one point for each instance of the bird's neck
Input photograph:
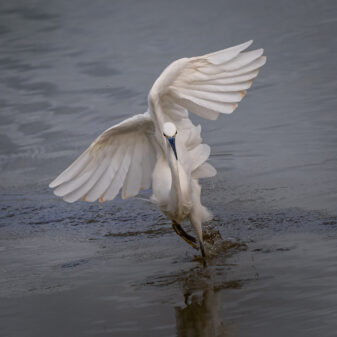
x,y
176,185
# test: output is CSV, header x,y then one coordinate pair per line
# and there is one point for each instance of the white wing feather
x,y
114,160
206,85
210,84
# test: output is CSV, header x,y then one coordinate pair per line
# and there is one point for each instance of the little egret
x,y
162,148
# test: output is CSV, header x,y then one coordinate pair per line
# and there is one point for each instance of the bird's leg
x,y
202,249
203,252
188,238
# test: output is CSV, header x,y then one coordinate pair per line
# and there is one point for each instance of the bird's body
x,y
162,148
171,190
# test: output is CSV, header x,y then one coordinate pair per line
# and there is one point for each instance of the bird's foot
x,y
188,238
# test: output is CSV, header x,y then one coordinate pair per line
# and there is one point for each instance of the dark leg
x,y
188,238
204,261
202,249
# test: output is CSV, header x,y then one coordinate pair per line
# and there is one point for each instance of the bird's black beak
x,y
172,142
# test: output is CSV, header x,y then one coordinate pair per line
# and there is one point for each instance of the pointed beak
x,y
172,142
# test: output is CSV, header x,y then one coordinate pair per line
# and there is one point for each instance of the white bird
x,y
162,148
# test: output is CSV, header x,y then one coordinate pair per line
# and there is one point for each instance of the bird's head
x,y
170,132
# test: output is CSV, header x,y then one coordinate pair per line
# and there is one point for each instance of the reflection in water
x,y
202,286
201,316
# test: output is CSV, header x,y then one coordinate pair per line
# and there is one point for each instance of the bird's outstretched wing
x,y
123,156
210,84
206,85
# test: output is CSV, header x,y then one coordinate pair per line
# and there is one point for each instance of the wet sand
x,y
71,69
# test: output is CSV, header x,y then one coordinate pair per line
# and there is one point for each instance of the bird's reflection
x,y
201,316
202,286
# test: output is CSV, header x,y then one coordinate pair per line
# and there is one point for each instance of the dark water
x,y
70,69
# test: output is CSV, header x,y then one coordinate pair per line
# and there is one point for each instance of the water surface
x,y
70,70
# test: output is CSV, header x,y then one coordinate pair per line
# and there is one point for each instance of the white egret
x,y
162,148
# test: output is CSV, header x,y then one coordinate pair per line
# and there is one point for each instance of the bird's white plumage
x,y
134,154
122,156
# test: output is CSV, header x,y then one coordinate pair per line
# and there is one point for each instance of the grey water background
x,y
69,70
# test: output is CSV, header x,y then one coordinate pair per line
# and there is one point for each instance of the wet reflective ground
x,y
71,69
78,270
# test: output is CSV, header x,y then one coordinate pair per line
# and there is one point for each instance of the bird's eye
x,y
176,133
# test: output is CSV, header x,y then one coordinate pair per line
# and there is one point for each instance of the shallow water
x,y
270,273
71,69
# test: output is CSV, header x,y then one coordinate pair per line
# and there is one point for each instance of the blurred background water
x,y
69,70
